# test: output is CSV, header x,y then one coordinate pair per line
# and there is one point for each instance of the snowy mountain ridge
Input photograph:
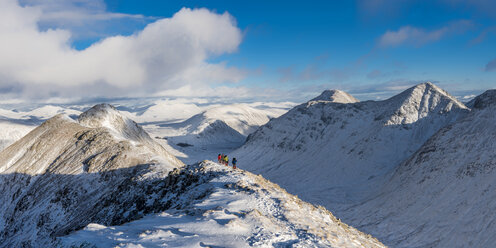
x,y
233,208
346,150
62,175
444,194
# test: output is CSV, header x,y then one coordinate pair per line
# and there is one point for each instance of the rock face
x,y
444,195
338,154
231,208
64,174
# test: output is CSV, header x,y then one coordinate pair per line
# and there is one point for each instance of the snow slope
x,y
445,194
231,208
228,123
38,114
11,131
335,154
15,124
63,175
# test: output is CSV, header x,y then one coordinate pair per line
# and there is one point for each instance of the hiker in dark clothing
x,y
234,161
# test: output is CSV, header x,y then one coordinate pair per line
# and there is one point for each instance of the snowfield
x,y
10,132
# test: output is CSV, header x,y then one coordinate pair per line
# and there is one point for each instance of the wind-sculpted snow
x,y
62,176
339,153
445,194
226,208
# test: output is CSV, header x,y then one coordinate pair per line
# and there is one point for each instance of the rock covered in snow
x,y
231,208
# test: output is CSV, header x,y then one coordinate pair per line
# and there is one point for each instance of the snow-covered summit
x,y
337,96
106,115
420,101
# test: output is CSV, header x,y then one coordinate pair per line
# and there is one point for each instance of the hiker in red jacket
x,y
219,157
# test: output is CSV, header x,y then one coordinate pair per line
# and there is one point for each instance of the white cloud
x,y
166,54
417,36
75,11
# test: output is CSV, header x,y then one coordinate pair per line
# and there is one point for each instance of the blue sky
x,y
295,49
289,44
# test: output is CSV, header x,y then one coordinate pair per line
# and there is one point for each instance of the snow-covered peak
x,y
99,115
337,96
426,92
419,102
486,99
107,116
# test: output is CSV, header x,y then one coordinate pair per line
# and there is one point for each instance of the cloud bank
x,y
167,54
